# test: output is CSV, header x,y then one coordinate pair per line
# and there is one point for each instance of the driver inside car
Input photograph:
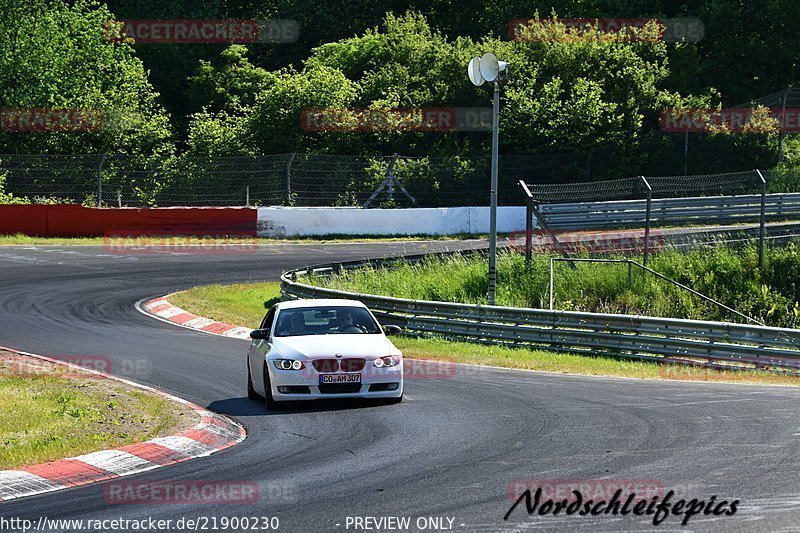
x,y
293,324
347,322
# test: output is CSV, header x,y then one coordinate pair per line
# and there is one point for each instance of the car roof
x,y
319,302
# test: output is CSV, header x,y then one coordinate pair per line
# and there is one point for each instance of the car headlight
x,y
288,364
389,360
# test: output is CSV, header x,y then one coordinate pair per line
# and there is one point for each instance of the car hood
x,y
318,346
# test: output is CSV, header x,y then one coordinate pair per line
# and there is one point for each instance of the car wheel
x,y
269,402
251,392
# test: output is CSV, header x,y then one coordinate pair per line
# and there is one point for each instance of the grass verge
x,y
731,276
49,412
25,240
243,305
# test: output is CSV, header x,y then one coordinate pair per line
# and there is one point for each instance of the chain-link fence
x,y
282,179
320,179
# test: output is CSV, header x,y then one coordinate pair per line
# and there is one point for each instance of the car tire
x,y
251,392
269,401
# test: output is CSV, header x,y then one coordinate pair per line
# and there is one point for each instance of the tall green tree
x,y
563,93
57,54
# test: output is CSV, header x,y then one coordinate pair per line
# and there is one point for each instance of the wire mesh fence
x,y
340,180
44,178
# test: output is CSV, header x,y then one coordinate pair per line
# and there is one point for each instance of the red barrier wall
x,y
79,221
25,219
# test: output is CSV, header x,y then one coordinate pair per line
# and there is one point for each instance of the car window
x,y
268,319
325,320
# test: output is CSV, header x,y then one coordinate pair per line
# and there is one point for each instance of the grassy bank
x,y
47,414
243,304
729,276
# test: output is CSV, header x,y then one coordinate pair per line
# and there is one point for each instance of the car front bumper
x,y
371,378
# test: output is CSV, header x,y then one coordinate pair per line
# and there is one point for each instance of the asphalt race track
x,y
450,450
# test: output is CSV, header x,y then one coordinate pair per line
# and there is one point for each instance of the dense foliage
x,y
55,54
600,92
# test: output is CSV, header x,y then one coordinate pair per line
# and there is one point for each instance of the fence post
x,y
288,199
589,163
119,198
528,222
528,231
647,218
390,176
100,180
552,261
686,152
762,219
783,121
247,196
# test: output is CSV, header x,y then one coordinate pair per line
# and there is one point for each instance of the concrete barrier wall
x,y
309,221
79,221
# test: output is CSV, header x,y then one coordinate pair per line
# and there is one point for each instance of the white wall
x,y
309,221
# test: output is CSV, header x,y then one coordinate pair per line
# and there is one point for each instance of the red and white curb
x,y
162,309
213,433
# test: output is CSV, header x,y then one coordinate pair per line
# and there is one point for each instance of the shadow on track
x,y
244,407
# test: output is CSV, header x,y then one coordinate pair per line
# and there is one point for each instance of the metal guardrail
x,y
693,342
739,208
614,204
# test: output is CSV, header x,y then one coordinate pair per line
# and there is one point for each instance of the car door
x,y
258,351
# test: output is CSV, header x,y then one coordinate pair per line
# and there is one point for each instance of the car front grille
x,y
353,365
325,365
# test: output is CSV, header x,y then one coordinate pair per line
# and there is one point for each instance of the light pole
x,y
480,69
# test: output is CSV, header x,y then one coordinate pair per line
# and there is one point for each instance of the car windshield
x,y
325,320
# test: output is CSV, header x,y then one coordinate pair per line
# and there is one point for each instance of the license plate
x,y
324,379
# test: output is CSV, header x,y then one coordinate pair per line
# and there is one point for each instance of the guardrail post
x,y
762,220
647,218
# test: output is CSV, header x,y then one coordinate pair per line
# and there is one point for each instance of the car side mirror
x,y
259,334
391,329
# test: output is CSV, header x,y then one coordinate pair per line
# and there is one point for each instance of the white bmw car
x,y
314,349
